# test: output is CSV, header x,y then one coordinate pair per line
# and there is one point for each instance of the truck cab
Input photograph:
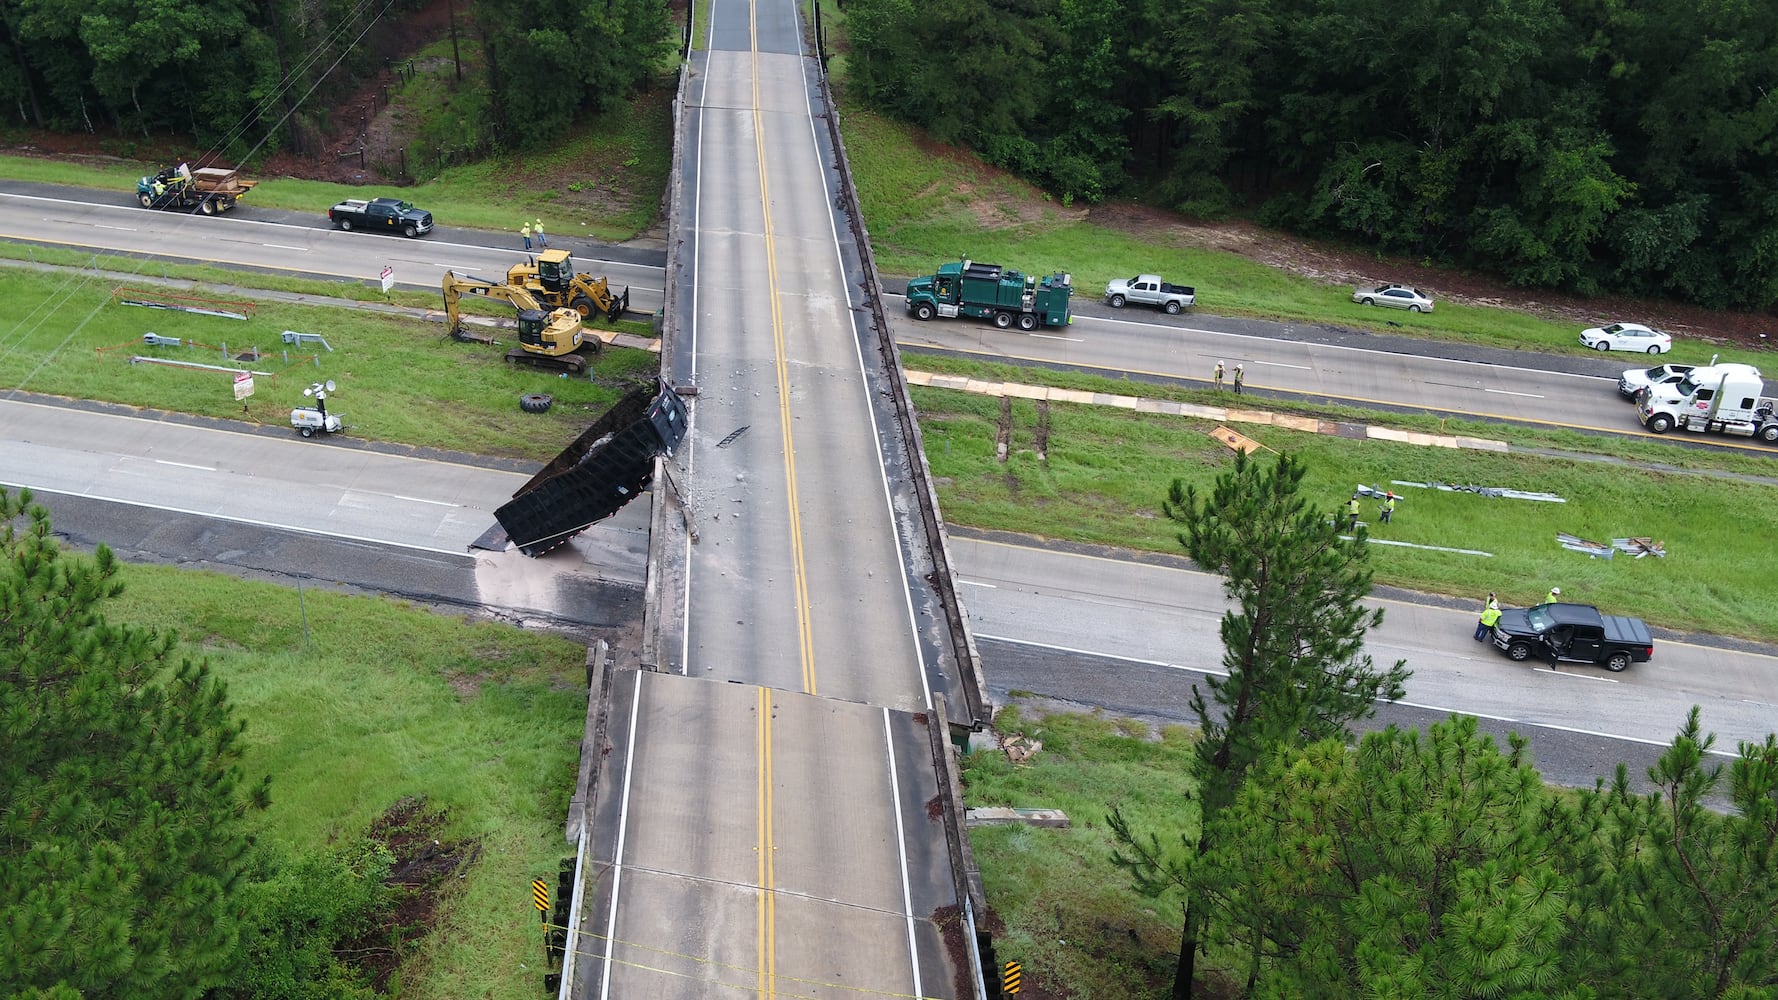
x,y
1722,399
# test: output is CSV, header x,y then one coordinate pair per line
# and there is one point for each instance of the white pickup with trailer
x,y
1719,399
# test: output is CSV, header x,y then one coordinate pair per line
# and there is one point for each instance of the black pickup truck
x,y
1573,633
387,215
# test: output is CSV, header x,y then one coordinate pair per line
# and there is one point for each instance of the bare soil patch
x,y
426,867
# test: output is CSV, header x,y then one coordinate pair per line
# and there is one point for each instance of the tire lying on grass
x,y
536,402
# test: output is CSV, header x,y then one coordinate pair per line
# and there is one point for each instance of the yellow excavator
x,y
554,339
553,281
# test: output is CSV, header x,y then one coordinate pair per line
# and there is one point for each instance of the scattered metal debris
x,y
153,339
1238,442
226,308
292,337
1595,550
1374,540
1374,492
1496,492
732,435
1640,547
1020,749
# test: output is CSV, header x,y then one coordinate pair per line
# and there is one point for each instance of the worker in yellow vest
x,y
1555,595
1490,616
1352,513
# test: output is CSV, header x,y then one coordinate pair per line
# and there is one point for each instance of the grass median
x,y
1103,472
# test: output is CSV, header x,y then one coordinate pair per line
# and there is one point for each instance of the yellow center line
x,y
766,954
799,573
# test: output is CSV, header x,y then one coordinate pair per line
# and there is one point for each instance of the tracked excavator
x,y
553,281
554,339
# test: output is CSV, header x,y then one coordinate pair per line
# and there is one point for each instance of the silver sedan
x,y
1397,296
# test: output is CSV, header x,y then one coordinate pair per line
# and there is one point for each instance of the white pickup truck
x,y
1150,290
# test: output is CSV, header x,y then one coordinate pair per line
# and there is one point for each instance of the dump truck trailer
x,y
988,291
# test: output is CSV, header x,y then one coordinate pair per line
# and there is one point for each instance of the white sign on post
x,y
388,279
243,385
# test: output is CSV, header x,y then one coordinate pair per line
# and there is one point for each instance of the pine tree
x,y
1292,648
121,797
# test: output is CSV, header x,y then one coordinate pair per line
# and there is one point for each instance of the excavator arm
x,y
547,337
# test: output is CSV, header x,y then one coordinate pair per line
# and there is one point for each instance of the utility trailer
x,y
210,190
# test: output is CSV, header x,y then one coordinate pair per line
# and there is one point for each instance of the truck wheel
x,y
1117,302
1027,322
1617,663
536,402
1660,423
1518,651
410,230
346,224
207,206
1769,433
583,305
1172,307
147,200
923,312
1003,320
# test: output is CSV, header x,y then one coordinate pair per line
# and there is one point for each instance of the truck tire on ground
x,y
1617,663
1117,302
147,200
346,224
536,402
1027,322
1172,307
582,305
410,231
1660,423
923,311
207,206
1769,433
1003,320
1519,651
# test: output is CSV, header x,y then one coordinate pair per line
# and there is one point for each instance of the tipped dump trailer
x,y
605,468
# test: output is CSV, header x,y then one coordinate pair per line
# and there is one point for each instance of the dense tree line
x,y
238,76
1583,144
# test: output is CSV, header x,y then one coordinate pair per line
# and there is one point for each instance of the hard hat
x,y
1555,590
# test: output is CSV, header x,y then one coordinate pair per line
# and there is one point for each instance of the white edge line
x,y
870,412
901,852
623,826
573,930
247,520
691,413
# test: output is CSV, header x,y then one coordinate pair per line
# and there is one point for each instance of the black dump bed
x,y
593,478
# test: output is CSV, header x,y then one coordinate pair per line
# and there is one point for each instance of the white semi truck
x,y
1720,399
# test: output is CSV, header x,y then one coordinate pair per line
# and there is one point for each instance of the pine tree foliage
x,y
1412,866
121,797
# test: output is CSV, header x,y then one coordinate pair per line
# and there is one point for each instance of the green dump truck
x,y
991,292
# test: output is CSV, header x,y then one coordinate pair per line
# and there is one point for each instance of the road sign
x,y
243,385
1010,981
388,279
540,894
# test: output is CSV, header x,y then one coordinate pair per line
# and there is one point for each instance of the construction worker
x,y
1219,375
1490,616
1238,375
525,231
1352,513
1388,498
1492,602
542,240
1554,595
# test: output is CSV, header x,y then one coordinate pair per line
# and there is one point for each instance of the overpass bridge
x,y
768,801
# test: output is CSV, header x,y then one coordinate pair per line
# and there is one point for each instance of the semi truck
x,y
988,291
1720,399
210,190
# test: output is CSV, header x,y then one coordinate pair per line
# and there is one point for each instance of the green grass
x,y
627,151
1071,916
1108,470
925,204
368,700
400,380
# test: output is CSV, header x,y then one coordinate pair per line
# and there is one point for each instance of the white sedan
x,y
1626,337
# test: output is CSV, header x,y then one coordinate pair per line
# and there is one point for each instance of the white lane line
x,y
623,827
252,521
1051,336
1509,392
185,465
901,852
121,229
1279,364
281,246
978,583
